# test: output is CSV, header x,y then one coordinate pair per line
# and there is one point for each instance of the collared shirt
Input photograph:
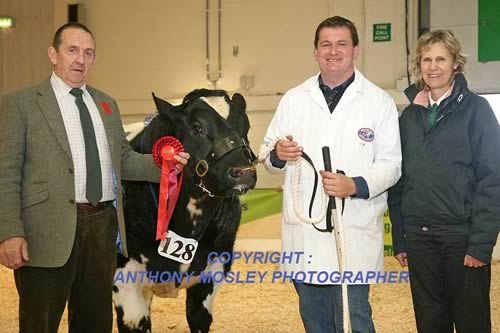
x,y
442,98
333,96
441,104
71,119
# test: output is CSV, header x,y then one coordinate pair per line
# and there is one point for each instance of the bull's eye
x,y
196,129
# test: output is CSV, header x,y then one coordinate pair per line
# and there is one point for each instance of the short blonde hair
x,y
448,39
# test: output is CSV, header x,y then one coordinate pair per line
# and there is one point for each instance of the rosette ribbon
x,y
164,150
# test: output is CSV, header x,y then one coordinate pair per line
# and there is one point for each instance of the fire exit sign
x,y
382,32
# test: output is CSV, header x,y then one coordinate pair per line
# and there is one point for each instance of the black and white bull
x,y
213,128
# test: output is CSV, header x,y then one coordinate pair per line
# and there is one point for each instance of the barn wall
x,y
266,48
23,49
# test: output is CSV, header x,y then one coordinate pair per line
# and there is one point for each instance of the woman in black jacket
x,y
445,210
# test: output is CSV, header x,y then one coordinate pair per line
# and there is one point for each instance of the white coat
x,y
363,136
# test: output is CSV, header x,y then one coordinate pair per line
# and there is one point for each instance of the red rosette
x,y
163,152
165,148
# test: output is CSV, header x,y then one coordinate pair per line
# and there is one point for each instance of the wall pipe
x,y
219,42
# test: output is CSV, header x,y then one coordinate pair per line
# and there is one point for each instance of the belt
x,y
88,207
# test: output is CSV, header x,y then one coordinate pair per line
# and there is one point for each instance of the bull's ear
x,y
239,119
164,108
239,102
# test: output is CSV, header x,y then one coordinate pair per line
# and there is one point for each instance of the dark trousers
x,y
85,281
446,294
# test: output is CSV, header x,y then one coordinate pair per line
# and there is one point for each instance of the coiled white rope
x,y
263,153
296,194
338,231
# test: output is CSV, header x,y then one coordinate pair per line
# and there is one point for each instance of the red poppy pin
x,y
105,107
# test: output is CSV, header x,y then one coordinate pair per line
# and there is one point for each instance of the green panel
x,y
489,30
489,10
260,203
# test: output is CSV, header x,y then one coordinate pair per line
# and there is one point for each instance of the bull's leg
x,y
132,308
199,304
132,300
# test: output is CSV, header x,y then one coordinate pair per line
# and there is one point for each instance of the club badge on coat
x,y
366,134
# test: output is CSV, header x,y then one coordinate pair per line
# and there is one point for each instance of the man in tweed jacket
x,y
60,246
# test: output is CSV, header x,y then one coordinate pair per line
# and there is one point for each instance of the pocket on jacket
x,y
34,199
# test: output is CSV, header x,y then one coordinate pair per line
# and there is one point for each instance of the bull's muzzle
x,y
245,178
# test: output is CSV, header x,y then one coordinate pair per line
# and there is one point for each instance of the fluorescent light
x,y
6,22
494,100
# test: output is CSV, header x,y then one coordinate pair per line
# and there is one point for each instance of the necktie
x,y
94,179
432,115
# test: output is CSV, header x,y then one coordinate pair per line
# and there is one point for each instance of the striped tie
x,y
94,177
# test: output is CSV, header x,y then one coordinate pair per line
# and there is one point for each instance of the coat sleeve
x,y
394,201
276,129
12,149
484,134
386,168
136,166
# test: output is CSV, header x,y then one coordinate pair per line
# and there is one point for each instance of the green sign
x,y
6,22
488,29
382,32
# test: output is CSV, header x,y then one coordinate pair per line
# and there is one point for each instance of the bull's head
x,y
213,129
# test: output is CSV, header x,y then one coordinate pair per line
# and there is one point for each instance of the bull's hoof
x,y
199,330
143,326
199,321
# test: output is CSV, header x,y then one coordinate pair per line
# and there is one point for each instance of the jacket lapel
x,y
104,116
352,91
312,88
50,109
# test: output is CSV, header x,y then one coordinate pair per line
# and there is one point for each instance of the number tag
x,y
178,248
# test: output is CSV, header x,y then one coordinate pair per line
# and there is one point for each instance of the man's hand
x,y
473,262
402,258
181,159
338,185
14,252
288,150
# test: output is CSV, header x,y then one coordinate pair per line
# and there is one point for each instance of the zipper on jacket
x,y
448,110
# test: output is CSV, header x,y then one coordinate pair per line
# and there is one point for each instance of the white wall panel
x,y
453,13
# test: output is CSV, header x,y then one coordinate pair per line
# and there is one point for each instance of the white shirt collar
x,y
62,86
445,95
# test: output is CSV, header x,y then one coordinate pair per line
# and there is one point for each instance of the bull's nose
x,y
244,179
235,172
239,172
244,175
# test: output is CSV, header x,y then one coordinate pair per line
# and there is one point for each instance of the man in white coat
x,y
358,121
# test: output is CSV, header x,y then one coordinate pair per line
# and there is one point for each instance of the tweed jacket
x,y
37,188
